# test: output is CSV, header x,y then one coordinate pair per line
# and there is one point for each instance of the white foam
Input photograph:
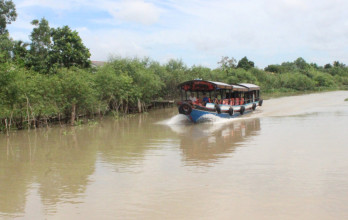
x,y
176,119
284,106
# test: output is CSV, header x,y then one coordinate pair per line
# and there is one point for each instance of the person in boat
x,y
193,98
216,101
205,99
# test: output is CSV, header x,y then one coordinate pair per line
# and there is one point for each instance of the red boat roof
x,y
202,85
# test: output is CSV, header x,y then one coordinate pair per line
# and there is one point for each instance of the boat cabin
x,y
218,93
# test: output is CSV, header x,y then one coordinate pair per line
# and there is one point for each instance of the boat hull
x,y
197,115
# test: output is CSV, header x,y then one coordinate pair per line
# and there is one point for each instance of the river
x,y
287,160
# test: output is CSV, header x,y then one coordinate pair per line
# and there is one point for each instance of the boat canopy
x,y
239,88
198,85
251,87
202,85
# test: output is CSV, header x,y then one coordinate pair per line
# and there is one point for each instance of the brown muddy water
x,y
287,160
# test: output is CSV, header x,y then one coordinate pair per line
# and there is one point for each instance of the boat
x,y
217,98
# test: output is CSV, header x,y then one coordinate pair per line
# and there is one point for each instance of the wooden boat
x,y
217,98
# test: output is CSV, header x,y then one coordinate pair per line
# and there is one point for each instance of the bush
x,y
296,81
323,80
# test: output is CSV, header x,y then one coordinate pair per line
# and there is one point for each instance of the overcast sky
x,y
199,32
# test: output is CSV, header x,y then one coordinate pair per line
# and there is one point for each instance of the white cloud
x,y
112,43
197,30
136,11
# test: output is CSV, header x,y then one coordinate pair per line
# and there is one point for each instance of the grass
x,y
346,100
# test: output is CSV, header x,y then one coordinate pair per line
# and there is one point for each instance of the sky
x,y
199,32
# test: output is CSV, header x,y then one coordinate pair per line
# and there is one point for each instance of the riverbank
x,y
30,99
117,115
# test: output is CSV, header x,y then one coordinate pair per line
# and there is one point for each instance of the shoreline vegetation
x,y
123,86
51,80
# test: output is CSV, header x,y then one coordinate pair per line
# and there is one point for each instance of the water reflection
x,y
124,144
12,168
57,165
204,144
57,162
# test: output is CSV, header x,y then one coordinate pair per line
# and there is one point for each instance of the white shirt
x,y
193,99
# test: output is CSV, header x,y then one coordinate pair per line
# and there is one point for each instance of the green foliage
x,y
6,46
338,64
7,14
67,49
244,63
241,75
40,46
296,81
226,63
323,80
274,68
113,89
200,72
76,87
301,64
327,66
171,74
20,52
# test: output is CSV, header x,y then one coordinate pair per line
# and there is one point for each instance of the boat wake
x,y
277,107
178,119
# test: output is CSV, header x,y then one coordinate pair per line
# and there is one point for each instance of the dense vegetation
x,y
51,78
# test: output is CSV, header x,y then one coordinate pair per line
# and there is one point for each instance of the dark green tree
x,y
315,66
7,14
5,48
301,64
40,45
245,63
20,52
338,64
327,66
175,73
67,49
273,68
289,67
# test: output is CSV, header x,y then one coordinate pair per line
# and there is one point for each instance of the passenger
x,y
215,101
193,98
199,102
205,99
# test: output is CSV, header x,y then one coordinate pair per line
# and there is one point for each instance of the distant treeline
x,y
51,77
30,98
